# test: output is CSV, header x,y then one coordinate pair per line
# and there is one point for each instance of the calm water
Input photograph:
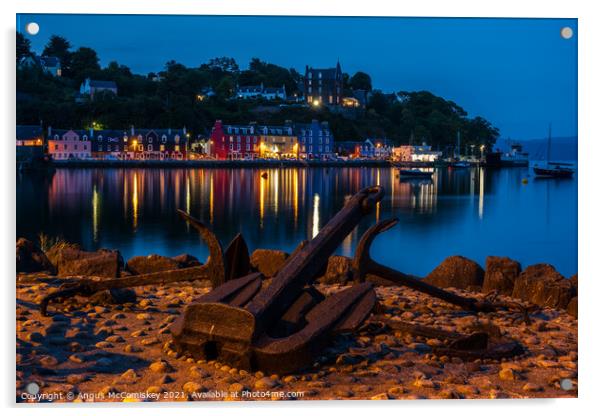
x,y
473,212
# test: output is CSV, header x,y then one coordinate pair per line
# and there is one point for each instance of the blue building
x,y
315,140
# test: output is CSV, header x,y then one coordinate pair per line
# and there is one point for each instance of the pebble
x,y
129,376
155,390
193,387
76,358
132,348
237,388
265,383
115,338
138,333
160,367
531,387
150,341
507,374
382,396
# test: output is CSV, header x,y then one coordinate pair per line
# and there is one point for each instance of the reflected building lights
x,y
296,196
316,216
187,194
95,207
261,201
275,188
135,202
481,191
211,199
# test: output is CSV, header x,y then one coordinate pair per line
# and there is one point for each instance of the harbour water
x,y
473,212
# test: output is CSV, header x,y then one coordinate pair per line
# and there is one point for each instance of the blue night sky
x,y
518,73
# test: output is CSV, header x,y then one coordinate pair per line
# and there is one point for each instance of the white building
x,y
259,91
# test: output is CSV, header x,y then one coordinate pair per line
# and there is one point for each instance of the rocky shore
x,y
117,346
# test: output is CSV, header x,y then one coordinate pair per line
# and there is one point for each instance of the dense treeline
x,y
172,98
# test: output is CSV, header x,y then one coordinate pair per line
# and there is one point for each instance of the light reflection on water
x,y
473,212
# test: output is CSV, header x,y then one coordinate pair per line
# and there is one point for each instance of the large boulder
x,y
151,264
572,307
71,261
268,262
338,270
542,285
574,284
457,271
500,275
31,259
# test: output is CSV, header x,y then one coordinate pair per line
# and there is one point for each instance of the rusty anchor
x,y
282,326
482,344
220,267
364,265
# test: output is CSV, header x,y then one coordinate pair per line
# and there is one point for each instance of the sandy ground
x,y
123,353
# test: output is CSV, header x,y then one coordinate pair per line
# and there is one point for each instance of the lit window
x,y
150,147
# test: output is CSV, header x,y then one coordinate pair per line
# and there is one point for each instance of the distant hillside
x,y
563,148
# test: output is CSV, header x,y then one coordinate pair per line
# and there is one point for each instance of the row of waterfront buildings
x,y
226,142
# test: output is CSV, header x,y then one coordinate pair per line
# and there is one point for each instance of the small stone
x,y
265,383
155,390
132,348
103,344
507,374
421,382
129,376
160,367
343,393
547,364
193,387
76,378
143,316
382,396
76,358
237,388
289,379
531,387
115,338
150,341
198,373
139,333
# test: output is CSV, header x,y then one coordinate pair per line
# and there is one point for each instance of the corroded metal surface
x,y
285,325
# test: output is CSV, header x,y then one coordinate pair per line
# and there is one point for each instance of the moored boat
x,y
553,169
414,173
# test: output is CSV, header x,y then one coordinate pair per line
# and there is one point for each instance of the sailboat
x,y
553,169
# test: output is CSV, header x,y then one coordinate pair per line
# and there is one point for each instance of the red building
x,y
235,142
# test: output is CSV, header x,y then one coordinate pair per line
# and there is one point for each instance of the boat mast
x,y
458,143
549,143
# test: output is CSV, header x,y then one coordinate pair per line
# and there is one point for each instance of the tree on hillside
x,y
361,81
84,63
222,64
225,88
23,46
59,47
